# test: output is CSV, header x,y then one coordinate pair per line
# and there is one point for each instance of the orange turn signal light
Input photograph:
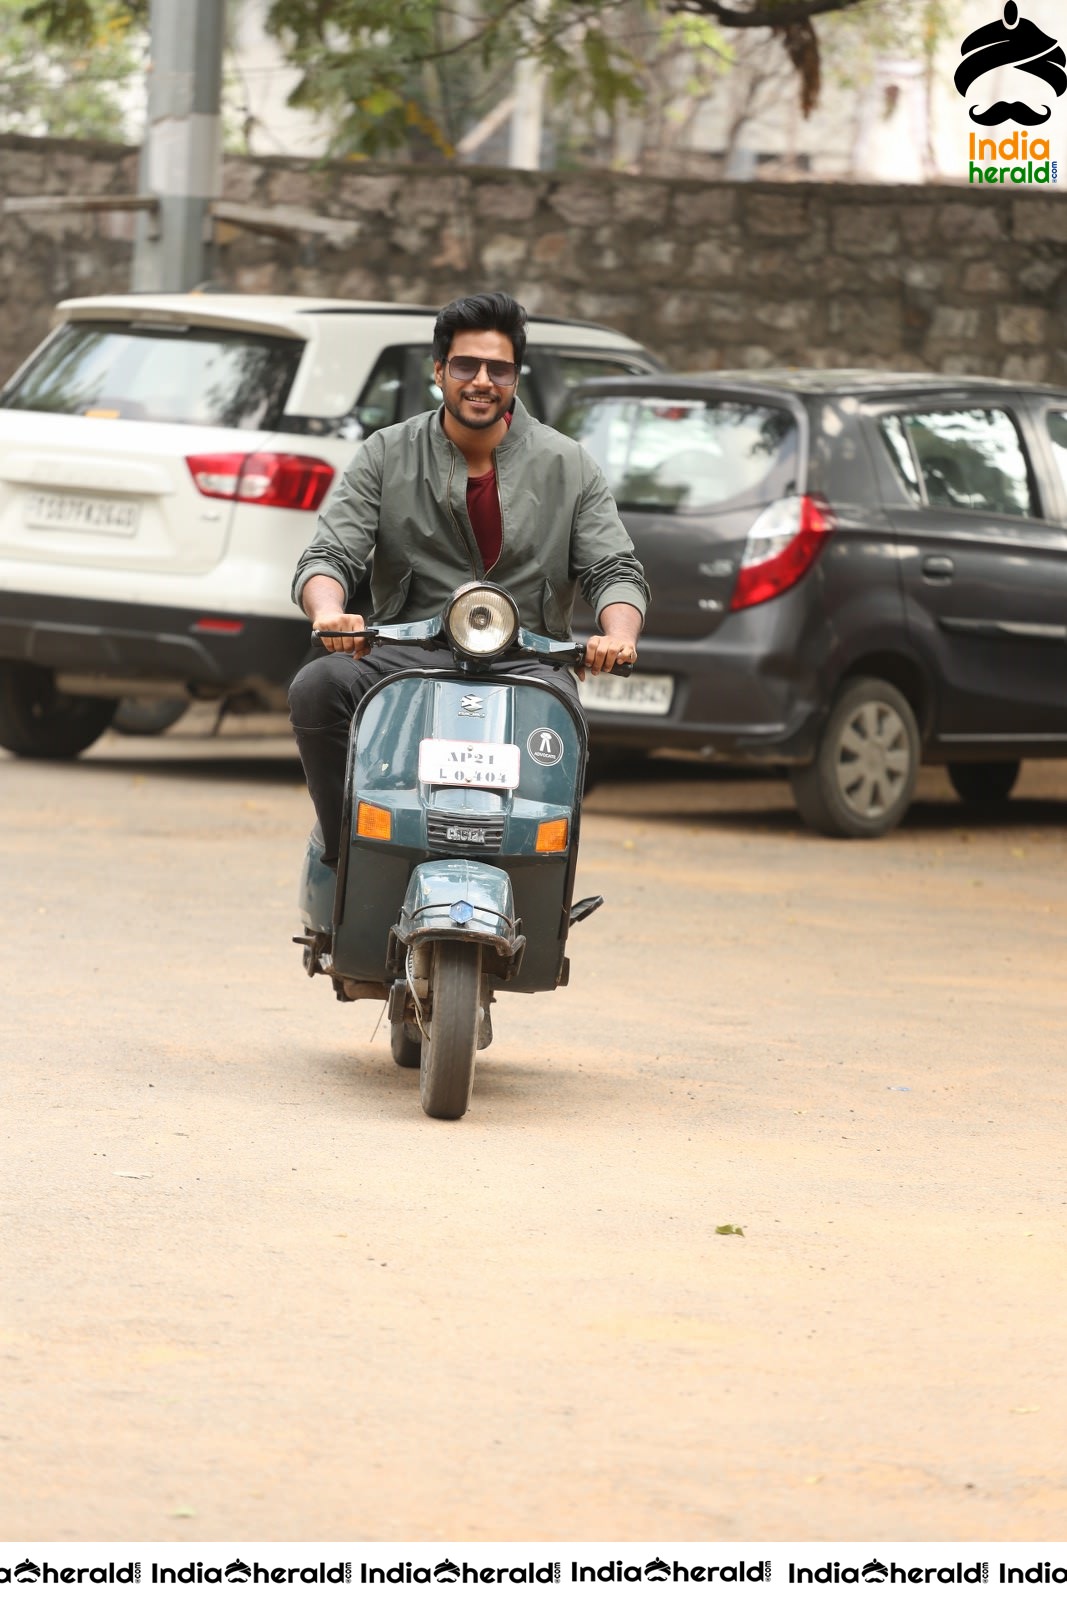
x,y
372,822
552,835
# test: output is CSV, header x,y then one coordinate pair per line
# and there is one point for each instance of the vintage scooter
x,y
459,840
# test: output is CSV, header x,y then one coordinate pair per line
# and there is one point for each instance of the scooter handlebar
x,y
573,655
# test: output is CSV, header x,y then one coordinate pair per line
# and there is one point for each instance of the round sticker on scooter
x,y
546,747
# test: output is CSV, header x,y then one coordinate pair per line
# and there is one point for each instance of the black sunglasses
x,y
465,368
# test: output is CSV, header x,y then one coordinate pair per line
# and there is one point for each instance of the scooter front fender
x,y
466,900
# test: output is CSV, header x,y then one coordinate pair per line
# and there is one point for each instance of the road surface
x,y
755,1232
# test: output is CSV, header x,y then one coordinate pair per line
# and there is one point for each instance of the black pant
x,y
323,698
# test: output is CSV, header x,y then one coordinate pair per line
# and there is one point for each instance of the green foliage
x,y
75,22
385,72
63,76
853,40
380,69
416,75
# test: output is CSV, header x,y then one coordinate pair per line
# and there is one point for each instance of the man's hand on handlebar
x,y
616,644
606,650
323,601
346,624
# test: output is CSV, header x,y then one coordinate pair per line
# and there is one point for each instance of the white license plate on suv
x,y
77,513
478,764
648,694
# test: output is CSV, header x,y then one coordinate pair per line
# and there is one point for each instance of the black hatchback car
x,y
852,573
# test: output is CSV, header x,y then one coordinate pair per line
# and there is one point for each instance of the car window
x,y
971,460
380,404
1057,432
576,368
207,376
664,453
896,440
559,370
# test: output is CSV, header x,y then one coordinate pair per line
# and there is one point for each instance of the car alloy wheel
x,y
873,760
863,777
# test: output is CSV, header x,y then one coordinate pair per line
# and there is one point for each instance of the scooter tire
x,y
446,1075
406,1044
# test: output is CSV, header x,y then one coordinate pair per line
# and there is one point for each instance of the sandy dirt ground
x,y
249,1291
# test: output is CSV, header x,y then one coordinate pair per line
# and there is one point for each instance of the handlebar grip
x,y
622,669
344,633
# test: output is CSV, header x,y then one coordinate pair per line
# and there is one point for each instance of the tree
x,y
383,67
67,85
417,74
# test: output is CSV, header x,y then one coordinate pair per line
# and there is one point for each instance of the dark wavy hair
x,y
480,313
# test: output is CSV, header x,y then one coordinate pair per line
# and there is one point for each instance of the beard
x,y
489,420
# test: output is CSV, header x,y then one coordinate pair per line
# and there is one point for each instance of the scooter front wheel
x,y
446,1074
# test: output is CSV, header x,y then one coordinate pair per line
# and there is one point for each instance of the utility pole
x,y
181,158
527,117
181,162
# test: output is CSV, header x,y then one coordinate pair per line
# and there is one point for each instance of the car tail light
x,y
295,483
783,542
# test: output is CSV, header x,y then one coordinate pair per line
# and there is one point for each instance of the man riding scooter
x,y
477,488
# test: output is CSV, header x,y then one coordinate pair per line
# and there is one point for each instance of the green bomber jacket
x,y
403,500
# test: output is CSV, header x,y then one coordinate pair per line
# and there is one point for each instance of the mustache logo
x,y
1010,111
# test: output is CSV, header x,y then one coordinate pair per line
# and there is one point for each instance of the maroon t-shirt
x,y
483,508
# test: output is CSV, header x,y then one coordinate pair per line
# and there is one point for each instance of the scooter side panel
x,y
318,886
374,894
552,770
373,876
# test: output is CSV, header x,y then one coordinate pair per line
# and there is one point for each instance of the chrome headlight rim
x,y
464,601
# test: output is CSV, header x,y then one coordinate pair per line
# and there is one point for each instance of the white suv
x,y
162,461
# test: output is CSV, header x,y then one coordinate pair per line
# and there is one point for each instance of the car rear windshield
x,y
667,454
211,377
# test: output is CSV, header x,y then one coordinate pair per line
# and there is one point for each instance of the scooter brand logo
x,y
472,705
29,1571
1017,42
545,746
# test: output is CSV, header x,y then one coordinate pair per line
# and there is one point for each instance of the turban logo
x,y
1012,42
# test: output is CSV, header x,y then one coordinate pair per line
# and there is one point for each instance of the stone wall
x,y
709,274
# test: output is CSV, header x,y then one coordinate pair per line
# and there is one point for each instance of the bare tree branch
x,y
767,14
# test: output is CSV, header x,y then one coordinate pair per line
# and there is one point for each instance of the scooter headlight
x,y
481,620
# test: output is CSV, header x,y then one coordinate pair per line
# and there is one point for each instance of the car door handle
x,y
939,568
